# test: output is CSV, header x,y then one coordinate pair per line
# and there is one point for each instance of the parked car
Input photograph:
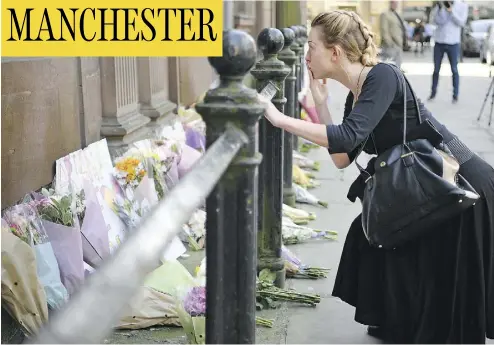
x,y
487,51
473,36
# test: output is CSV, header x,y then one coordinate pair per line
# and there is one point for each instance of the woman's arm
x,y
378,92
323,113
340,160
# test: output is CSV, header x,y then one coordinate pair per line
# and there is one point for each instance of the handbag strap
x,y
417,107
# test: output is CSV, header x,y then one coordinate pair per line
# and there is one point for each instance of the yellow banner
x,y
112,28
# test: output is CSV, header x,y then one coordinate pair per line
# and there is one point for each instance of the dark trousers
x,y
453,52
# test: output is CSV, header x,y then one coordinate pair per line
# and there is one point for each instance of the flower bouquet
x,y
24,222
23,296
305,162
294,234
169,153
129,209
192,315
132,205
268,295
158,162
61,216
129,171
295,269
194,231
188,158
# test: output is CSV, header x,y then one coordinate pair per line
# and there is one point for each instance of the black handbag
x,y
415,186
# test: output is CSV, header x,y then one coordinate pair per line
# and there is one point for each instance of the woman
x,y
439,288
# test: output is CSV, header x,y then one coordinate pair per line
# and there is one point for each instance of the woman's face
x,y
321,61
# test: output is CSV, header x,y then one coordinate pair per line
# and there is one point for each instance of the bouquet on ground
x,y
268,295
305,162
169,153
161,157
294,234
295,269
23,296
61,216
138,191
306,145
192,314
303,178
129,210
297,216
194,231
25,223
303,196
138,195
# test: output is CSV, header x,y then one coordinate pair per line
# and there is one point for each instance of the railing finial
x,y
239,54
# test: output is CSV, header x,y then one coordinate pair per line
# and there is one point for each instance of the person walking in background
x,y
392,34
450,17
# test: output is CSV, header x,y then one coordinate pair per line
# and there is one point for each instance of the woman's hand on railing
x,y
272,114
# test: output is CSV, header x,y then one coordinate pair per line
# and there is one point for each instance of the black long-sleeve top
x,y
378,110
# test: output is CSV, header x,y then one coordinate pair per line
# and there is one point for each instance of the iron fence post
x,y
231,224
289,57
270,41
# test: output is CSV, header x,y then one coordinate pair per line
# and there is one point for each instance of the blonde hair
x,y
348,30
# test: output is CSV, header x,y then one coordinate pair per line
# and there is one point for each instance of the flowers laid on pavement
x,y
296,269
268,295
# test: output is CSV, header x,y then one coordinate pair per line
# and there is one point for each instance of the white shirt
x,y
449,24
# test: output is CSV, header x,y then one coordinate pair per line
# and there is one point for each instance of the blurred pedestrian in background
x,y
418,37
450,17
393,34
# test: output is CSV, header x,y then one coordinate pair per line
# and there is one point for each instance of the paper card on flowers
x,y
174,251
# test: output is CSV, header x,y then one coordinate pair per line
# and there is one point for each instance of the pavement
x,y
332,321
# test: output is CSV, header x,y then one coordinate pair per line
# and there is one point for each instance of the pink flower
x,y
195,301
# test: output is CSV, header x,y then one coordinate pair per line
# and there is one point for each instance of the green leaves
x,y
58,211
266,276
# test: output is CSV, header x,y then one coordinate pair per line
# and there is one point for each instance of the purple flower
x,y
195,301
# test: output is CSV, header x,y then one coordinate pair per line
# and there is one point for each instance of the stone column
x,y
152,74
289,57
122,122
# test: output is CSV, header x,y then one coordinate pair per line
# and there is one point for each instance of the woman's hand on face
x,y
318,90
272,114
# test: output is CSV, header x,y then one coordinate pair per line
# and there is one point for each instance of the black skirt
x,y
438,289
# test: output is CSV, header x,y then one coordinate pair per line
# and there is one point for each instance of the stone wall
x,y
54,106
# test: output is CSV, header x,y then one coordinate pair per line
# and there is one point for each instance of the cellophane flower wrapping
x,y
195,139
159,162
189,157
138,193
61,216
25,223
135,201
191,310
194,231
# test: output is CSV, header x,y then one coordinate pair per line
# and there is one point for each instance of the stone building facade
x,y
54,106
